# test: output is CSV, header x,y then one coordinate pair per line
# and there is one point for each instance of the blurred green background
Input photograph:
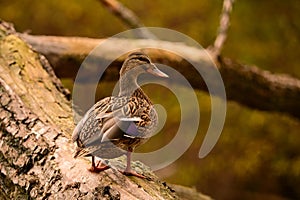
x,y
258,154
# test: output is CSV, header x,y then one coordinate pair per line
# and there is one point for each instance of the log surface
x,y
36,122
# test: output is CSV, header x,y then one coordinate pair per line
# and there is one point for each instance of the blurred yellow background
x,y
258,154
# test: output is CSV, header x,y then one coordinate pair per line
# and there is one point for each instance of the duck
x,y
117,125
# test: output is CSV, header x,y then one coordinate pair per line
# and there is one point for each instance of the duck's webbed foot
x,y
96,168
133,173
128,171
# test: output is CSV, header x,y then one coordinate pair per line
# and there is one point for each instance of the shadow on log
x,y
36,123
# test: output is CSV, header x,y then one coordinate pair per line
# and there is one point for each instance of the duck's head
x,y
138,63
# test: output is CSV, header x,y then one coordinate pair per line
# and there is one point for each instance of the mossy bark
x,y
36,121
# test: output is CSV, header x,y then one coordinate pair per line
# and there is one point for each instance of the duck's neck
x,y
128,85
129,88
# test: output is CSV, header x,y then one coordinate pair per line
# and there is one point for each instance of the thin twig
x,y
223,27
128,17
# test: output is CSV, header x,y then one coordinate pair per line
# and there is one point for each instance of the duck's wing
x,y
89,125
113,120
107,121
116,123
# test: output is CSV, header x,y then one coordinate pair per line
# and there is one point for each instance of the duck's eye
x,y
144,59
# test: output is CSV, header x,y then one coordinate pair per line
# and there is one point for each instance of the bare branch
x,y
128,17
223,28
265,90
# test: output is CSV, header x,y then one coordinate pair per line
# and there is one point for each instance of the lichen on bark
x,y
35,127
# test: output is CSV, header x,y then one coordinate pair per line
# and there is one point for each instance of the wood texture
x,y
36,122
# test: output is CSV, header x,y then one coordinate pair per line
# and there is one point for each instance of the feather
x,y
116,123
130,119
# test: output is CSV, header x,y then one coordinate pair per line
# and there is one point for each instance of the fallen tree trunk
x,y
247,85
36,123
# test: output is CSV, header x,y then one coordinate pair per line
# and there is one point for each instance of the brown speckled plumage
x,y
117,125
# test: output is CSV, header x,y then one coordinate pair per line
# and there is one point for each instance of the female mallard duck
x,y
116,125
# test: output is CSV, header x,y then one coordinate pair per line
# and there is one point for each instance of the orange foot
x,y
133,173
98,168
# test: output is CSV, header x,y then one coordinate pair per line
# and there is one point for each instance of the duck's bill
x,y
155,71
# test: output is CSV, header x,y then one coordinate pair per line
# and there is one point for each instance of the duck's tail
x,y
80,152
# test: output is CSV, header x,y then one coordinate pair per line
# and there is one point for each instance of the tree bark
x,y
36,123
247,85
